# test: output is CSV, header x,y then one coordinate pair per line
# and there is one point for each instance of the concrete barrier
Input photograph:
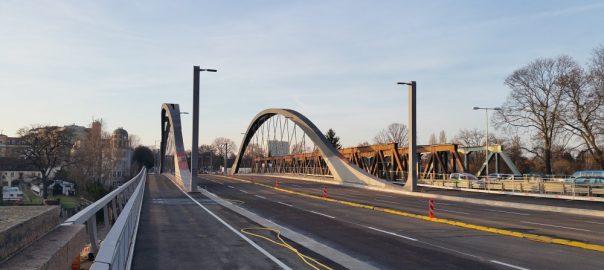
x,y
56,250
20,226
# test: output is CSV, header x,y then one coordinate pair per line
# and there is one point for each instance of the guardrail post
x,y
92,234
106,217
114,210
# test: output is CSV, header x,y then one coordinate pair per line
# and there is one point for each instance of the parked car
x,y
462,176
467,176
503,176
597,181
578,174
12,194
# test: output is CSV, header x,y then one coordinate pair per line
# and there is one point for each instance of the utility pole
x,y
411,183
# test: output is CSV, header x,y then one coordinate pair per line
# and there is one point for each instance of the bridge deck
x,y
176,233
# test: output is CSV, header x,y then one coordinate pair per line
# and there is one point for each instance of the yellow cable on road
x,y
307,259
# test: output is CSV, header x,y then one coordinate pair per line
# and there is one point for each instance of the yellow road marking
x,y
528,236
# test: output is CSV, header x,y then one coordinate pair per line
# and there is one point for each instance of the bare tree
x,y
469,137
536,103
219,147
47,149
432,139
394,133
361,144
299,148
134,141
583,114
442,137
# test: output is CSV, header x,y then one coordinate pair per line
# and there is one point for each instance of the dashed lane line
x,y
452,211
319,213
386,201
509,265
392,233
508,212
261,197
556,226
287,204
594,222
243,191
231,186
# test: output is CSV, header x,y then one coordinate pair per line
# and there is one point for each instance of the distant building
x,y
7,177
276,148
10,147
122,154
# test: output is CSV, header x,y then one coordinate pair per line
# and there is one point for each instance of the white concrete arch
x,y
172,144
343,171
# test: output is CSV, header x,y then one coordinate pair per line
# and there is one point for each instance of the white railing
x,y
122,206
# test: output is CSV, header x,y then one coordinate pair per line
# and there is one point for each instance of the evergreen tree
x,y
333,139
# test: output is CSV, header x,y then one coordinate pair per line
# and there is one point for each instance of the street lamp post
x,y
411,183
195,143
486,159
226,149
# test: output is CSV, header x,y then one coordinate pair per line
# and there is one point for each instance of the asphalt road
x,y
176,233
395,242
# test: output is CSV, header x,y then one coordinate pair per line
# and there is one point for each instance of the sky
x,y
336,62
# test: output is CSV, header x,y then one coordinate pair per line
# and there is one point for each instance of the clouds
x,y
335,61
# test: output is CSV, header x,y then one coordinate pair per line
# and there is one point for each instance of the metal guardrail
x,y
116,250
548,188
121,207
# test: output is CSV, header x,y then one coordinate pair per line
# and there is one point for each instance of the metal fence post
x,y
92,234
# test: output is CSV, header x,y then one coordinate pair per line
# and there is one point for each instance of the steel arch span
x,y
342,170
172,145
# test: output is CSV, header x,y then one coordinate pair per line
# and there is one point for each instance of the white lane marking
x,y
391,233
243,191
593,222
386,201
256,246
286,204
549,225
231,186
507,212
318,213
509,265
261,197
216,182
452,211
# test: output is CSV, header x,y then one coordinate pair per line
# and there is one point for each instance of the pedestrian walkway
x,y
176,233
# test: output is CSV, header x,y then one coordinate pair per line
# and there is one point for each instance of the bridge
x,y
291,200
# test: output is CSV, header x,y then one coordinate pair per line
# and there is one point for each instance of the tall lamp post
x,y
226,153
195,143
411,183
486,159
